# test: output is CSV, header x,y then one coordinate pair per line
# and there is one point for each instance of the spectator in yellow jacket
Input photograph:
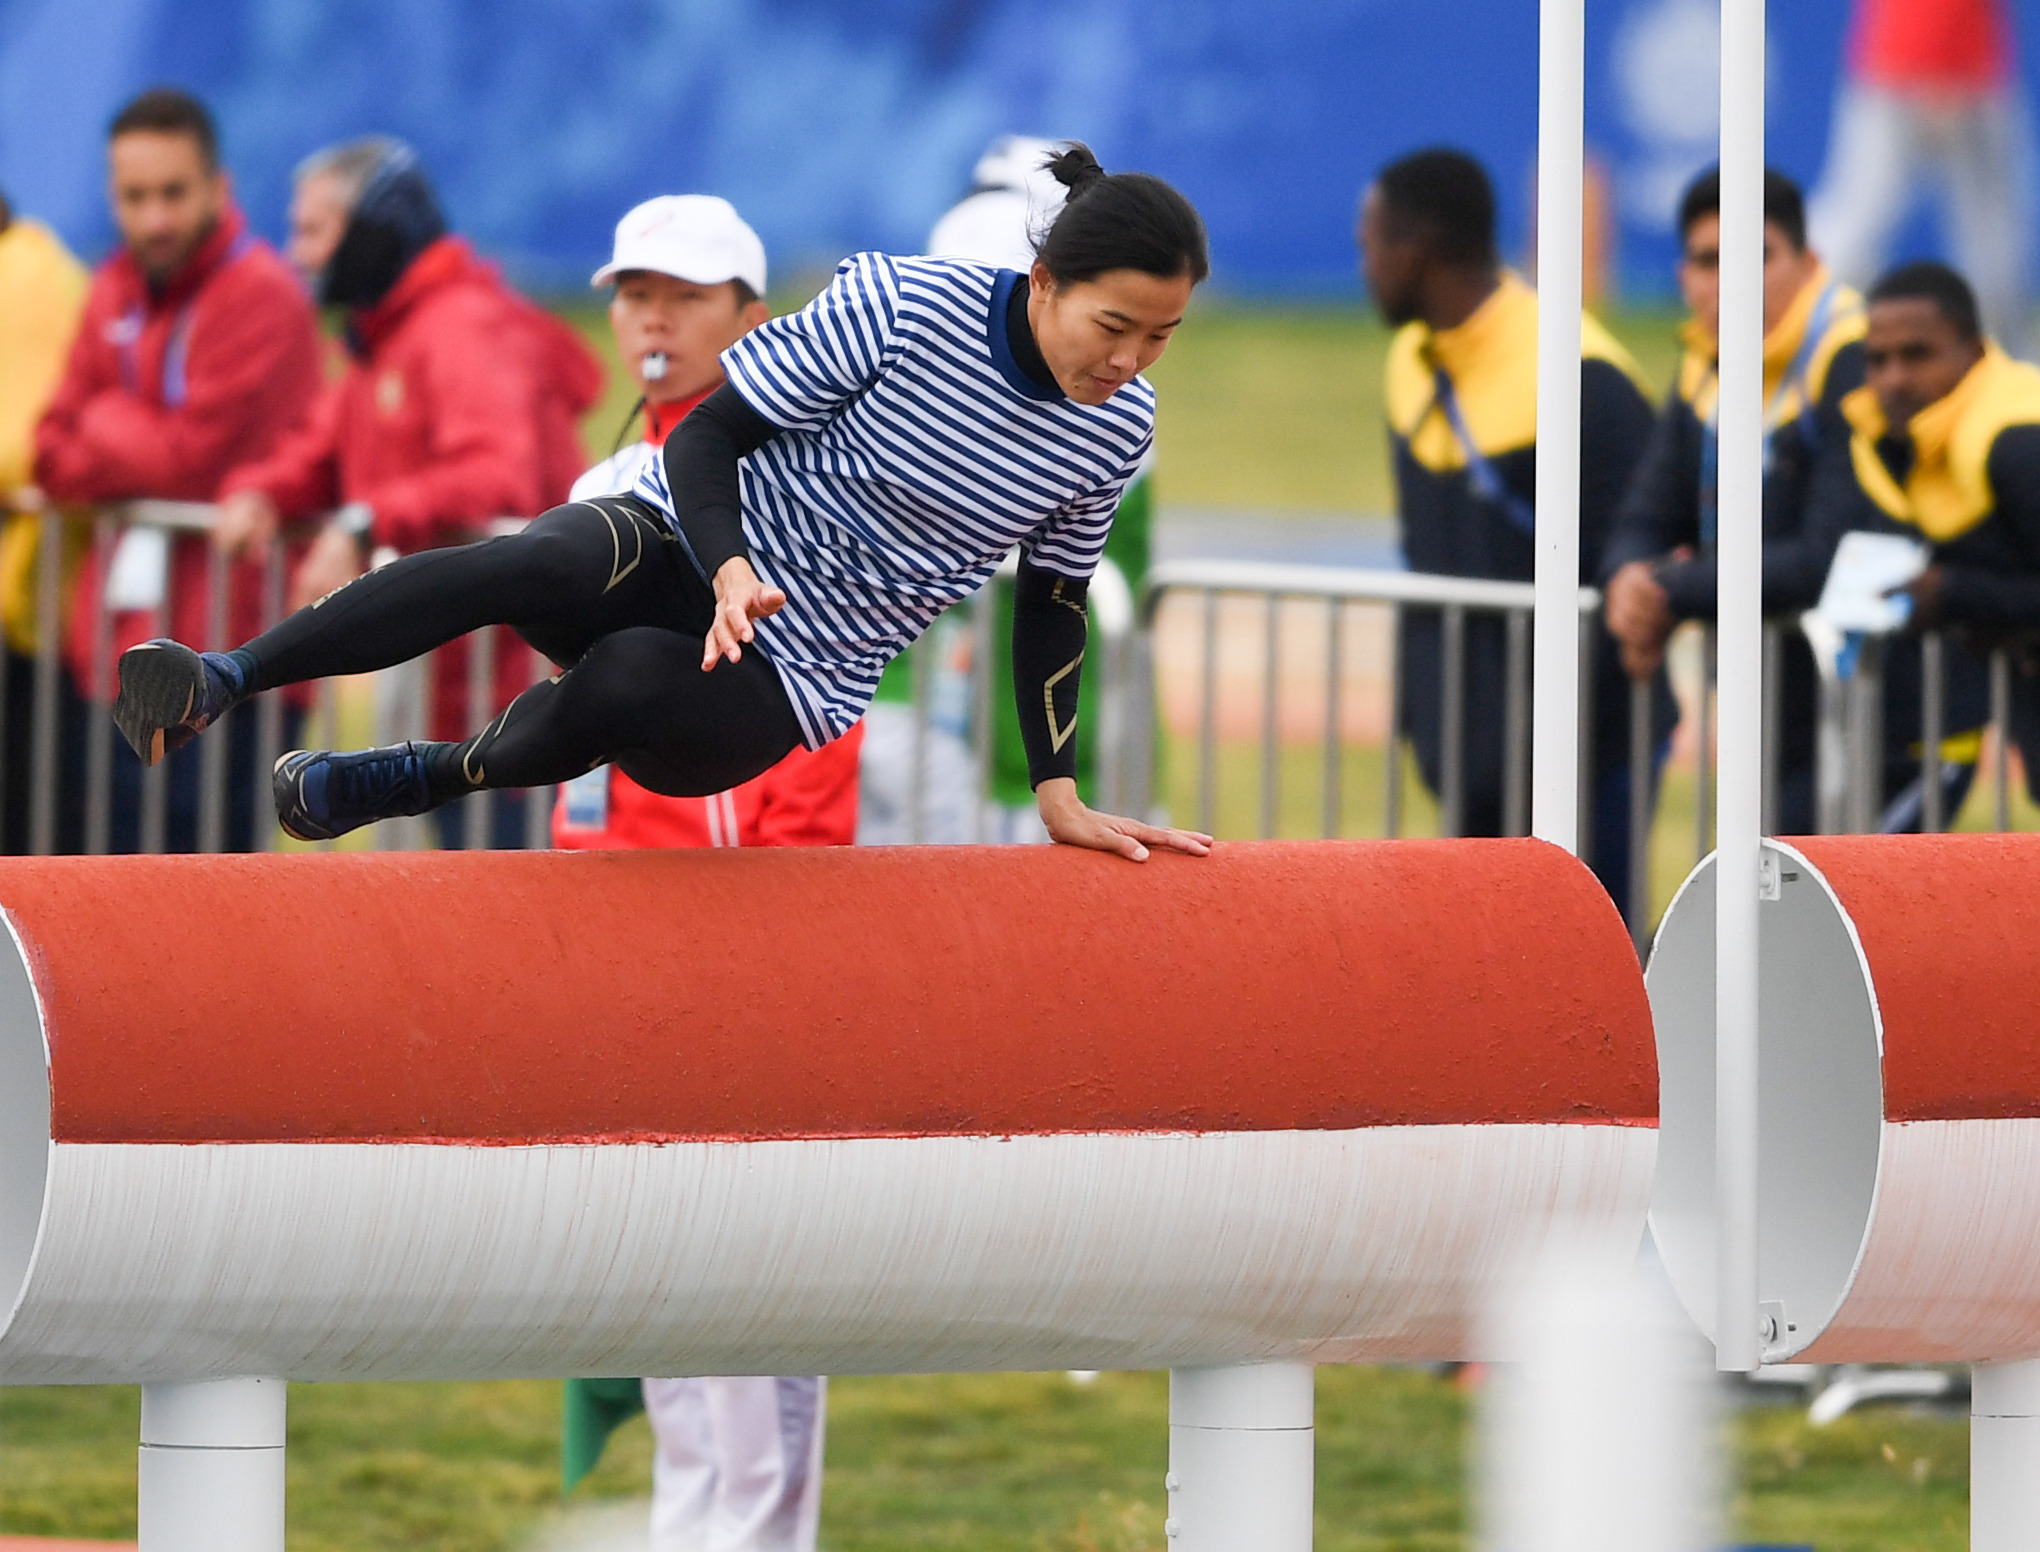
x,y
42,293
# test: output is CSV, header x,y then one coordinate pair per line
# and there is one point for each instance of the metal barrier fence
x,y
1851,738
1122,665
959,701
399,702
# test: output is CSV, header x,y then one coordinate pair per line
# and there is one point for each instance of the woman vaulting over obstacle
x,y
869,462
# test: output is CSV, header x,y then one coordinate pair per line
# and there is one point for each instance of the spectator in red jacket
x,y
738,1459
687,275
197,350
460,404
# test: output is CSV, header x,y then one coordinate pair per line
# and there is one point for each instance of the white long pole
x,y
1739,780
1555,687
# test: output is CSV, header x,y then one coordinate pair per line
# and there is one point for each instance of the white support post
x,y
1561,206
2004,1456
1242,1458
211,1468
1740,676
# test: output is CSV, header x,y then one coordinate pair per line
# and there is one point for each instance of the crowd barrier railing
x,y
1453,599
1122,664
397,700
962,701
1849,771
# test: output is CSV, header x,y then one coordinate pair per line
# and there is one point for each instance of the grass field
x,y
1262,409
944,1463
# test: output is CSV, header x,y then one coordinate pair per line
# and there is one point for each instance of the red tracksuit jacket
x,y
807,799
460,403
165,391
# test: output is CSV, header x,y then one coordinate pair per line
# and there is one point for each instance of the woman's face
x,y
1098,335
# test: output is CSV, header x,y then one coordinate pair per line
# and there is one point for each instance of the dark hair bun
x,y
1121,220
1075,168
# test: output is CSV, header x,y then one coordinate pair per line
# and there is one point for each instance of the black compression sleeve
x,y
1048,653
702,456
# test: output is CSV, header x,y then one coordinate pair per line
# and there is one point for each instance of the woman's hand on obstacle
x,y
740,598
1071,823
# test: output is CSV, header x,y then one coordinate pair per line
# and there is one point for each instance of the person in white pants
x,y
1930,98
739,1463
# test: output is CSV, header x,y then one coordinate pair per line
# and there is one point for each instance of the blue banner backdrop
x,y
841,124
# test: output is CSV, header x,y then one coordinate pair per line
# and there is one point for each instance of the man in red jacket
x,y
197,350
460,405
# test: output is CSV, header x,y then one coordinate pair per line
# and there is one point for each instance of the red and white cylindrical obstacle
x,y
472,1115
1899,1127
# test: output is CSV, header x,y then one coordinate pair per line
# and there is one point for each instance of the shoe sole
x,y
158,688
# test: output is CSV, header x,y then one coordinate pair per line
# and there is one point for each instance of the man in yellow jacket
x,y
1461,394
1945,438
42,293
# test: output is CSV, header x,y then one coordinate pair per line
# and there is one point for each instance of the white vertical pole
x,y
1584,1454
1242,1458
1739,780
210,1475
2004,1456
1555,687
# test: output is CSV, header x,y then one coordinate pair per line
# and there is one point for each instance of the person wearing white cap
x,y
689,278
738,1464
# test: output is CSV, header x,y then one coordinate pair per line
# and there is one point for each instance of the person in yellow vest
x,y
1462,409
1659,568
1946,440
42,295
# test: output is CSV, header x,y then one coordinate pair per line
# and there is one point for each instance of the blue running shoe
x,y
320,794
170,694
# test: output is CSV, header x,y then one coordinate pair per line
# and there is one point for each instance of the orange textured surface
x,y
1951,927
513,997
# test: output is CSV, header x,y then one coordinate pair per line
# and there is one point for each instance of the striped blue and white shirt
x,y
914,455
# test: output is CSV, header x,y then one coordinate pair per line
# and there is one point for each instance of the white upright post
x,y
211,1469
2004,1457
1561,206
1739,780
1242,1458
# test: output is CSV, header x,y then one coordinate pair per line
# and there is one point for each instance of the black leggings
x,y
601,586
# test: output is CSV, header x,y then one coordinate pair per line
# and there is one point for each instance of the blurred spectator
x,y
1947,442
197,350
1929,99
1012,202
42,294
1660,561
459,405
1462,409
738,1462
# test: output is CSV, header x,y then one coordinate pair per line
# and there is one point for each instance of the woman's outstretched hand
x,y
1071,823
740,598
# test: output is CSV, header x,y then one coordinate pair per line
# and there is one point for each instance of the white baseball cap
x,y
695,237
